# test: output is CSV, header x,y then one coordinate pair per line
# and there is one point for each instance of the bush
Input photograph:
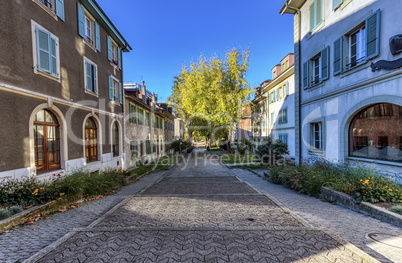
x,y
176,146
15,210
272,151
397,209
4,214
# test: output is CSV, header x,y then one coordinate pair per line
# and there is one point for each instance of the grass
x,y
396,209
141,170
236,158
215,149
249,166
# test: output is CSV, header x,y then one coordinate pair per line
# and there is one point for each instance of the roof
x,y
291,6
93,7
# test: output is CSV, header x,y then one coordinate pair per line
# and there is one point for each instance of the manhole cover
x,y
387,239
251,219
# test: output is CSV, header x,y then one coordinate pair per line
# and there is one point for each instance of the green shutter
x,y
312,16
287,88
109,48
336,3
325,63
120,93
119,57
43,46
81,20
338,55
60,9
373,35
97,37
305,75
318,11
111,88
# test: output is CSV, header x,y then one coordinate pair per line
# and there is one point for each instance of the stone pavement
x,y
200,212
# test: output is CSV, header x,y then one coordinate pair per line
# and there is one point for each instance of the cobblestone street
x,y
199,212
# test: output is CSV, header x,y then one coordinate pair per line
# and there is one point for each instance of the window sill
x,y
92,93
345,3
116,66
316,29
316,152
355,69
90,45
46,9
374,161
316,86
47,75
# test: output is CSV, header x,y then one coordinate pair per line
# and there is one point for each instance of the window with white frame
x,y
115,90
46,51
91,76
358,45
53,7
283,115
316,14
316,69
88,28
316,135
283,137
114,52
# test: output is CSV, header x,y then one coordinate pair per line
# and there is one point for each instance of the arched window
x,y
115,139
46,141
91,140
376,133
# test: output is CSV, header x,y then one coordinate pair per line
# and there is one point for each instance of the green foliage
x,y
15,210
4,213
141,170
272,151
244,146
360,182
396,209
176,146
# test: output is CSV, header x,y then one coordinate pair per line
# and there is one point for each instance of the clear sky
x,y
167,34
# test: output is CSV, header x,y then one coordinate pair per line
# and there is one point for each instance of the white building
x,y
348,73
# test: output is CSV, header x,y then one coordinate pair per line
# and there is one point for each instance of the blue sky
x,y
165,35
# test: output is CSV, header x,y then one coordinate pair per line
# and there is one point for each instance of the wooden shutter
x,y
312,16
43,46
325,63
109,49
119,57
94,78
305,75
53,57
88,75
373,35
60,9
338,55
111,88
120,93
97,37
81,20
287,88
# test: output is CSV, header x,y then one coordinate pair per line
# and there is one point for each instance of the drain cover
x,y
251,219
387,239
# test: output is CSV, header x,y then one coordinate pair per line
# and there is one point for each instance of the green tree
x,y
210,94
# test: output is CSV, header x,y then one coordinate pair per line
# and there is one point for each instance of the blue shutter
x,y
43,46
81,20
120,93
338,55
60,9
94,79
325,64
111,88
336,3
119,57
109,48
53,57
88,76
97,37
305,75
373,35
287,88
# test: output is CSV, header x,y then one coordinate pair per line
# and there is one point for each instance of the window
x,y
115,90
91,140
53,7
88,29
316,70
115,139
375,133
336,4
286,88
283,115
317,135
46,57
283,137
272,117
133,111
315,14
147,119
91,76
114,52
46,141
134,150
359,45
148,146
140,116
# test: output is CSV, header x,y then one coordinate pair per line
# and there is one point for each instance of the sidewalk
x,y
356,228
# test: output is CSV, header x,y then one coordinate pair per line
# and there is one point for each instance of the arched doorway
x,y
46,141
376,133
91,140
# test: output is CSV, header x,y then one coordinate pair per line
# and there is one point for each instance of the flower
x,y
35,192
61,194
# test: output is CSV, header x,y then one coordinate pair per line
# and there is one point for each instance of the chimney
x,y
143,92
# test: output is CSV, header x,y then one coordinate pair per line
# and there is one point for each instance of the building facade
x,y
348,74
145,134
60,88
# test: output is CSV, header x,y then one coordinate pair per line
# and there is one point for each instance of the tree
x,y
210,94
